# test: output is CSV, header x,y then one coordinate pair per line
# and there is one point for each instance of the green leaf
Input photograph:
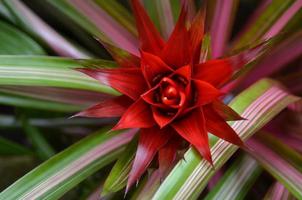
x,y
98,23
28,21
277,191
65,170
47,71
267,18
258,104
15,42
281,149
164,12
237,180
119,13
148,186
42,147
9,121
7,98
117,179
11,148
278,167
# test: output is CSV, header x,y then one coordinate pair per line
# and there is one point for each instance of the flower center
x,y
171,93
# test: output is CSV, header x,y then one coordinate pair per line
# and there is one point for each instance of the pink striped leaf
x,y
277,192
65,170
277,166
258,105
221,25
271,16
237,180
29,21
96,21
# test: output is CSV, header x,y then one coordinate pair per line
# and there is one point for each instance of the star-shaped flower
x,y
168,93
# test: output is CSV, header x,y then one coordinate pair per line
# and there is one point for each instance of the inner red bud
x,y
171,93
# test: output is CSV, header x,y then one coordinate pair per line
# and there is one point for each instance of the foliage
x,y
43,43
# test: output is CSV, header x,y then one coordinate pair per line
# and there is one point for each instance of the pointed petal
x,y
226,112
215,72
138,115
196,33
184,71
162,119
150,141
150,39
108,108
128,81
176,51
167,155
149,97
217,126
192,128
122,57
152,67
205,93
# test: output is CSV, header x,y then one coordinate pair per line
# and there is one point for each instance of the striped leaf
x,y
118,176
119,13
14,42
277,192
6,98
258,104
263,23
98,23
65,170
237,180
47,71
278,167
27,20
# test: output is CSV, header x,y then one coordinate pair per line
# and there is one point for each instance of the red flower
x,y
167,93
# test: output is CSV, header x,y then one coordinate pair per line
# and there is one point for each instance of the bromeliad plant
x,y
168,92
172,82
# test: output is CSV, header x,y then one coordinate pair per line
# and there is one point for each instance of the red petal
x,y
161,119
192,128
215,72
152,66
217,126
149,98
176,52
128,81
184,71
149,37
108,108
138,115
196,32
167,155
205,93
225,111
150,141
122,57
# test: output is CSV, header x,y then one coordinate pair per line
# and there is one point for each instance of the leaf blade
x,y
193,174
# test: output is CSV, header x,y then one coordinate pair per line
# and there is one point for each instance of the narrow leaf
x,y
278,167
30,22
221,25
65,170
117,179
266,20
237,180
40,144
46,71
8,147
258,104
14,42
